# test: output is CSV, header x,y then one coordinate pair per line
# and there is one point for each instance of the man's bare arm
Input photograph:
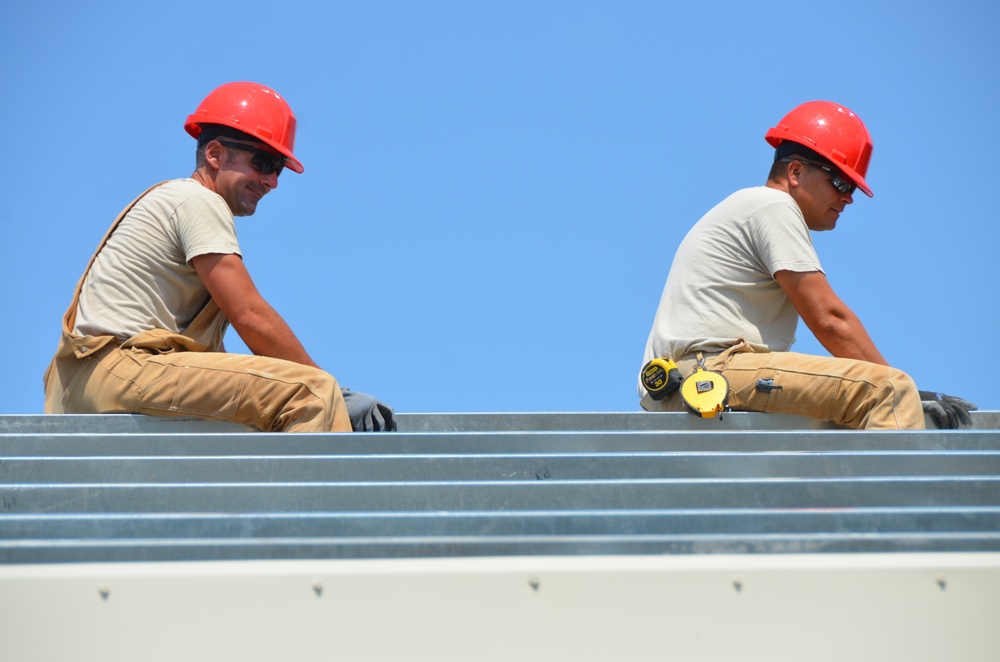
x,y
259,325
834,324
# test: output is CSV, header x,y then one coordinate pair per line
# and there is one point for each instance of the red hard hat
x,y
832,131
253,109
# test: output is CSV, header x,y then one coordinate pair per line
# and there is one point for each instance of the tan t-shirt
x,y
143,278
721,285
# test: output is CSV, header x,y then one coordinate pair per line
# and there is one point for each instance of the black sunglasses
x,y
839,182
262,161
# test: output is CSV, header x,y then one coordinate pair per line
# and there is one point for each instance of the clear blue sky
x,y
493,191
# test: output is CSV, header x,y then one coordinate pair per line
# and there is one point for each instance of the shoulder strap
x,y
69,319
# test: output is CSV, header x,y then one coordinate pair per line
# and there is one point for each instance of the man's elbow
x,y
830,326
250,318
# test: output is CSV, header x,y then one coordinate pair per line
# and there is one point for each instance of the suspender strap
x,y
84,345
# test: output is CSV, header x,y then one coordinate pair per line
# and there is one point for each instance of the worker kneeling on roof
x,y
144,331
745,273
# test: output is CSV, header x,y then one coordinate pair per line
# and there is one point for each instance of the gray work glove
x,y
947,411
367,413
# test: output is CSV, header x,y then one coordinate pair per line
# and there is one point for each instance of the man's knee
x,y
317,405
902,382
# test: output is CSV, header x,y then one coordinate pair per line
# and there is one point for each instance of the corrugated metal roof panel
x,y
134,488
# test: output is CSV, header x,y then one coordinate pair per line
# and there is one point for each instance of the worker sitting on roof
x,y
144,331
747,270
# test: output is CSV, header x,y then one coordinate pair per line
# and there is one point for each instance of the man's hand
x,y
947,411
367,413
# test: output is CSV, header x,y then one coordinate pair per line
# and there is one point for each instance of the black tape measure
x,y
661,378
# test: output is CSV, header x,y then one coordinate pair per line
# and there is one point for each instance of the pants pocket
x,y
180,389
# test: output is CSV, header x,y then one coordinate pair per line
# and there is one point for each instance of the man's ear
x,y
794,173
213,154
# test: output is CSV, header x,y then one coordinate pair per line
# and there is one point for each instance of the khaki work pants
x,y
855,394
143,376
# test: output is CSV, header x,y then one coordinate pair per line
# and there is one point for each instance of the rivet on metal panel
x,y
737,584
104,592
318,589
534,583
942,582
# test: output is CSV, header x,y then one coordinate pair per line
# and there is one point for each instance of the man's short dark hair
x,y
210,132
787,149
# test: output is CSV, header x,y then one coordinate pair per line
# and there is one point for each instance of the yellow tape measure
x,y
705,392
661,378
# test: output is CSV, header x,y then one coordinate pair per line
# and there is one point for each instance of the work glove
x,y
946,410
367,413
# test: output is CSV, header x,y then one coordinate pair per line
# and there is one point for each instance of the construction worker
x,y
747,271
144,331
